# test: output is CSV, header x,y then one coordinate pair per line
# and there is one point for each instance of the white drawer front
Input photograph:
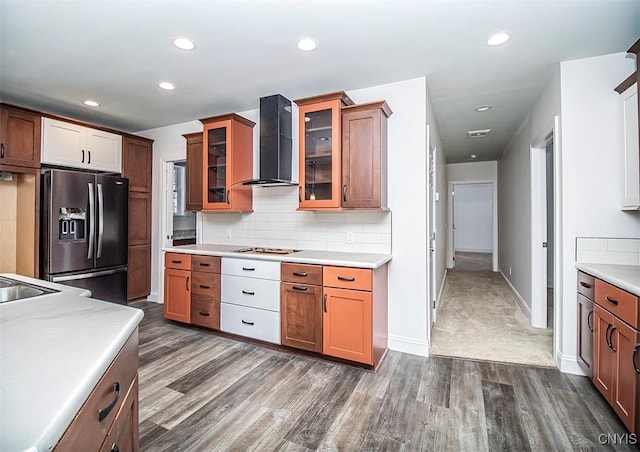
x,y
251,268
250,322
253,292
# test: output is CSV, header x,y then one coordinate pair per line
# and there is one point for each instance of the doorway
x,y
179,225
473,231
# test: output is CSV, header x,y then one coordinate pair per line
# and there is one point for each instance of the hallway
x,y
479,319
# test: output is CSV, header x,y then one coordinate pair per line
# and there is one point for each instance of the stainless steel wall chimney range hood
x,y
275,142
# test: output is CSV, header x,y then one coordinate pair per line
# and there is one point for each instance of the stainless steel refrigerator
x,y
85,232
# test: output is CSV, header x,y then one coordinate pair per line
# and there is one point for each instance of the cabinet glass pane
x,y
318,152
217,165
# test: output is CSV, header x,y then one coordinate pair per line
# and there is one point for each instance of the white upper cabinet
x,y
631,181
76,146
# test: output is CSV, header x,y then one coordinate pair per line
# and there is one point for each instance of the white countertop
x,y
625,277
53,351
341,259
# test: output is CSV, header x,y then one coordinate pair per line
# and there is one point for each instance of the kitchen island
x,y
54,349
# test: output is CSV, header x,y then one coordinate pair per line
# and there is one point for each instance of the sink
x,y
13,290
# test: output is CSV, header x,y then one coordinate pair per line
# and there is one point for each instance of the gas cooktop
x,y
262,250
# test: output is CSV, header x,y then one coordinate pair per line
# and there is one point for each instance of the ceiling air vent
x,y
478,133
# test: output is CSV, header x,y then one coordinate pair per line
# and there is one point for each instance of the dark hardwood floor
x,y
203,392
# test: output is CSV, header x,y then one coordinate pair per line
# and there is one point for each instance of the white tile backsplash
x,y
275,222
608,251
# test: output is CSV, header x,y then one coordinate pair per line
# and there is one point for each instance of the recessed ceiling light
x,y
307,44
91,103
482,108
184,43
498,38
473,156
478,133
166,85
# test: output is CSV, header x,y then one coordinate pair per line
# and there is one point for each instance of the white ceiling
x,y
56,53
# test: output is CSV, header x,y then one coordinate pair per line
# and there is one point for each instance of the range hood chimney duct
x,y
275,142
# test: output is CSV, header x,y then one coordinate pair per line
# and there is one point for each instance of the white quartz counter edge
x,y
625,277
50,285
55,348
342,259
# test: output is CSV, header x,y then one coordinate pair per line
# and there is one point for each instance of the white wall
x,y
592,170
473,218
472,171
408,316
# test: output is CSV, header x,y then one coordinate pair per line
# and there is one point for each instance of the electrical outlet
x,y
349,237
227,233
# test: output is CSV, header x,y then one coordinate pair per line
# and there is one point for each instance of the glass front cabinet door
x,y
320,151
227,161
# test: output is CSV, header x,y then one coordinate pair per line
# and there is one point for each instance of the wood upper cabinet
x,y
20,133
301,306
320,146
364,155
70,144
194,170
137,163
227,161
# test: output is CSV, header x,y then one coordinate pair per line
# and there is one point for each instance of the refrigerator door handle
x,y
100,220
91,219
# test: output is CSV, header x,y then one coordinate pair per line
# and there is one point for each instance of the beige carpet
x,y
479,319
466,260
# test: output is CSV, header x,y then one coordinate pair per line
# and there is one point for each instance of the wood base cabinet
x,y
616,344
177,287
301,306
585,322
354,308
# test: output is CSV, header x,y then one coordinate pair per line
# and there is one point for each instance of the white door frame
x,y
539,233
450,244
432,232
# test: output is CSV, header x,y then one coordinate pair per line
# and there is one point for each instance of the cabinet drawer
x,y
251,268
620,303
205,285
301,273
178,261
205,313
347,278
586,285
250,322
209,264
257,293
88,430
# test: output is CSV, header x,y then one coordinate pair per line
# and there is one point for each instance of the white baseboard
x,y
523,304
406,345
465,250
568,364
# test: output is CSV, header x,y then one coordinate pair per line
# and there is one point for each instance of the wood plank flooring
x,y
202,392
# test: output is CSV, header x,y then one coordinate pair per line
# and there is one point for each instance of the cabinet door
x,y
194,171
139,272
104,151
347,324
124,434
631,179
320,156
362,162
64,143
301,316
603,353
624,339
585,333
139,218
19,138
216,166
137,162
177,295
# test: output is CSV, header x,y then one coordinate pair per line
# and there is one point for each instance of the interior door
x,y
112,225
